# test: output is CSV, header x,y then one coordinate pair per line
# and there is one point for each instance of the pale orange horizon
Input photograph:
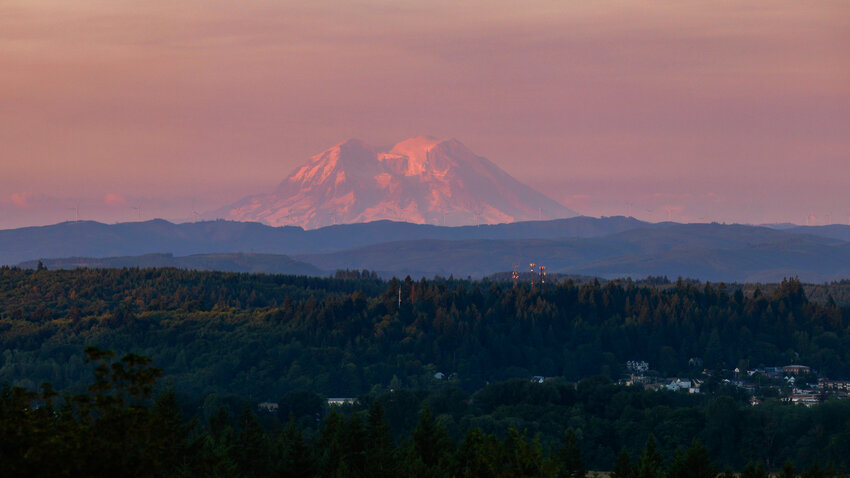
x,y
735,111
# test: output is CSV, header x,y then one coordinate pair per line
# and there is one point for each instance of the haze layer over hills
x,y
607,247
421,180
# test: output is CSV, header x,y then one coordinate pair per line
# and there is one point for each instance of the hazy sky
x,y
715,110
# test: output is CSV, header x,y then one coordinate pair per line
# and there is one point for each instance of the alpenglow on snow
x,y
420,180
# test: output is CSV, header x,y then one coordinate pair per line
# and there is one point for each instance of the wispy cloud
x,y
19,200
112,199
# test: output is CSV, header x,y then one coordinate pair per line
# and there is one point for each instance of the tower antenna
x,y
195,212
515,276
532,266
76,210
138,210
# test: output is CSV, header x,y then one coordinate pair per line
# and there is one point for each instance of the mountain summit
x,y
420,180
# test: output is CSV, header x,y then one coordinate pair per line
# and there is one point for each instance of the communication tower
x,y
542,275
515,276
532,266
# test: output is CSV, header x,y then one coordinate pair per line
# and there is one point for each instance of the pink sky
x,y
734,111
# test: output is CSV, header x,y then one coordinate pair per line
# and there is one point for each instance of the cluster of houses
x,y
673,384
778,378
639,374
839,389
787,380
274,407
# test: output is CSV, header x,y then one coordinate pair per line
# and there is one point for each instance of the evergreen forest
x,y
162,372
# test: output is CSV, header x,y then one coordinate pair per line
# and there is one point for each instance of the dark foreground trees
x,y
119,427
114,429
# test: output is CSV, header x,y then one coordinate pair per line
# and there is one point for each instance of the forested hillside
x,y
226,342
119,426
264,335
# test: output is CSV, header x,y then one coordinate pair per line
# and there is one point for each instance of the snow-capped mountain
x,y
419,180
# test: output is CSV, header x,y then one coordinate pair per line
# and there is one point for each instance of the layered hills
x,y
603,247
230,262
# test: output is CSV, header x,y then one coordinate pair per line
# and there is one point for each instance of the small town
x,y
797,384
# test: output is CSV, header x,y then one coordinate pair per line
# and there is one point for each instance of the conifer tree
x,y
788,470
624,467
295,457
331,445
569,458
814,471
431,443
728,473
170,435
477,456
650,464
380,460
354,448
521,457
698,463
252,449
678,468
754,470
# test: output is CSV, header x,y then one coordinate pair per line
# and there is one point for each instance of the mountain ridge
x,y
226,262
421,180
605,247
94,239
713,252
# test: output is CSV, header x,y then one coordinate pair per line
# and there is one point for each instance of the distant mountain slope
x,y
238,262
674,236
762,263
421,180
608,247
93,239
475,257
835,231
705,251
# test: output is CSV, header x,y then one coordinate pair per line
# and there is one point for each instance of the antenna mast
x,y
195,212
515,276
138,210
76,210
532,266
